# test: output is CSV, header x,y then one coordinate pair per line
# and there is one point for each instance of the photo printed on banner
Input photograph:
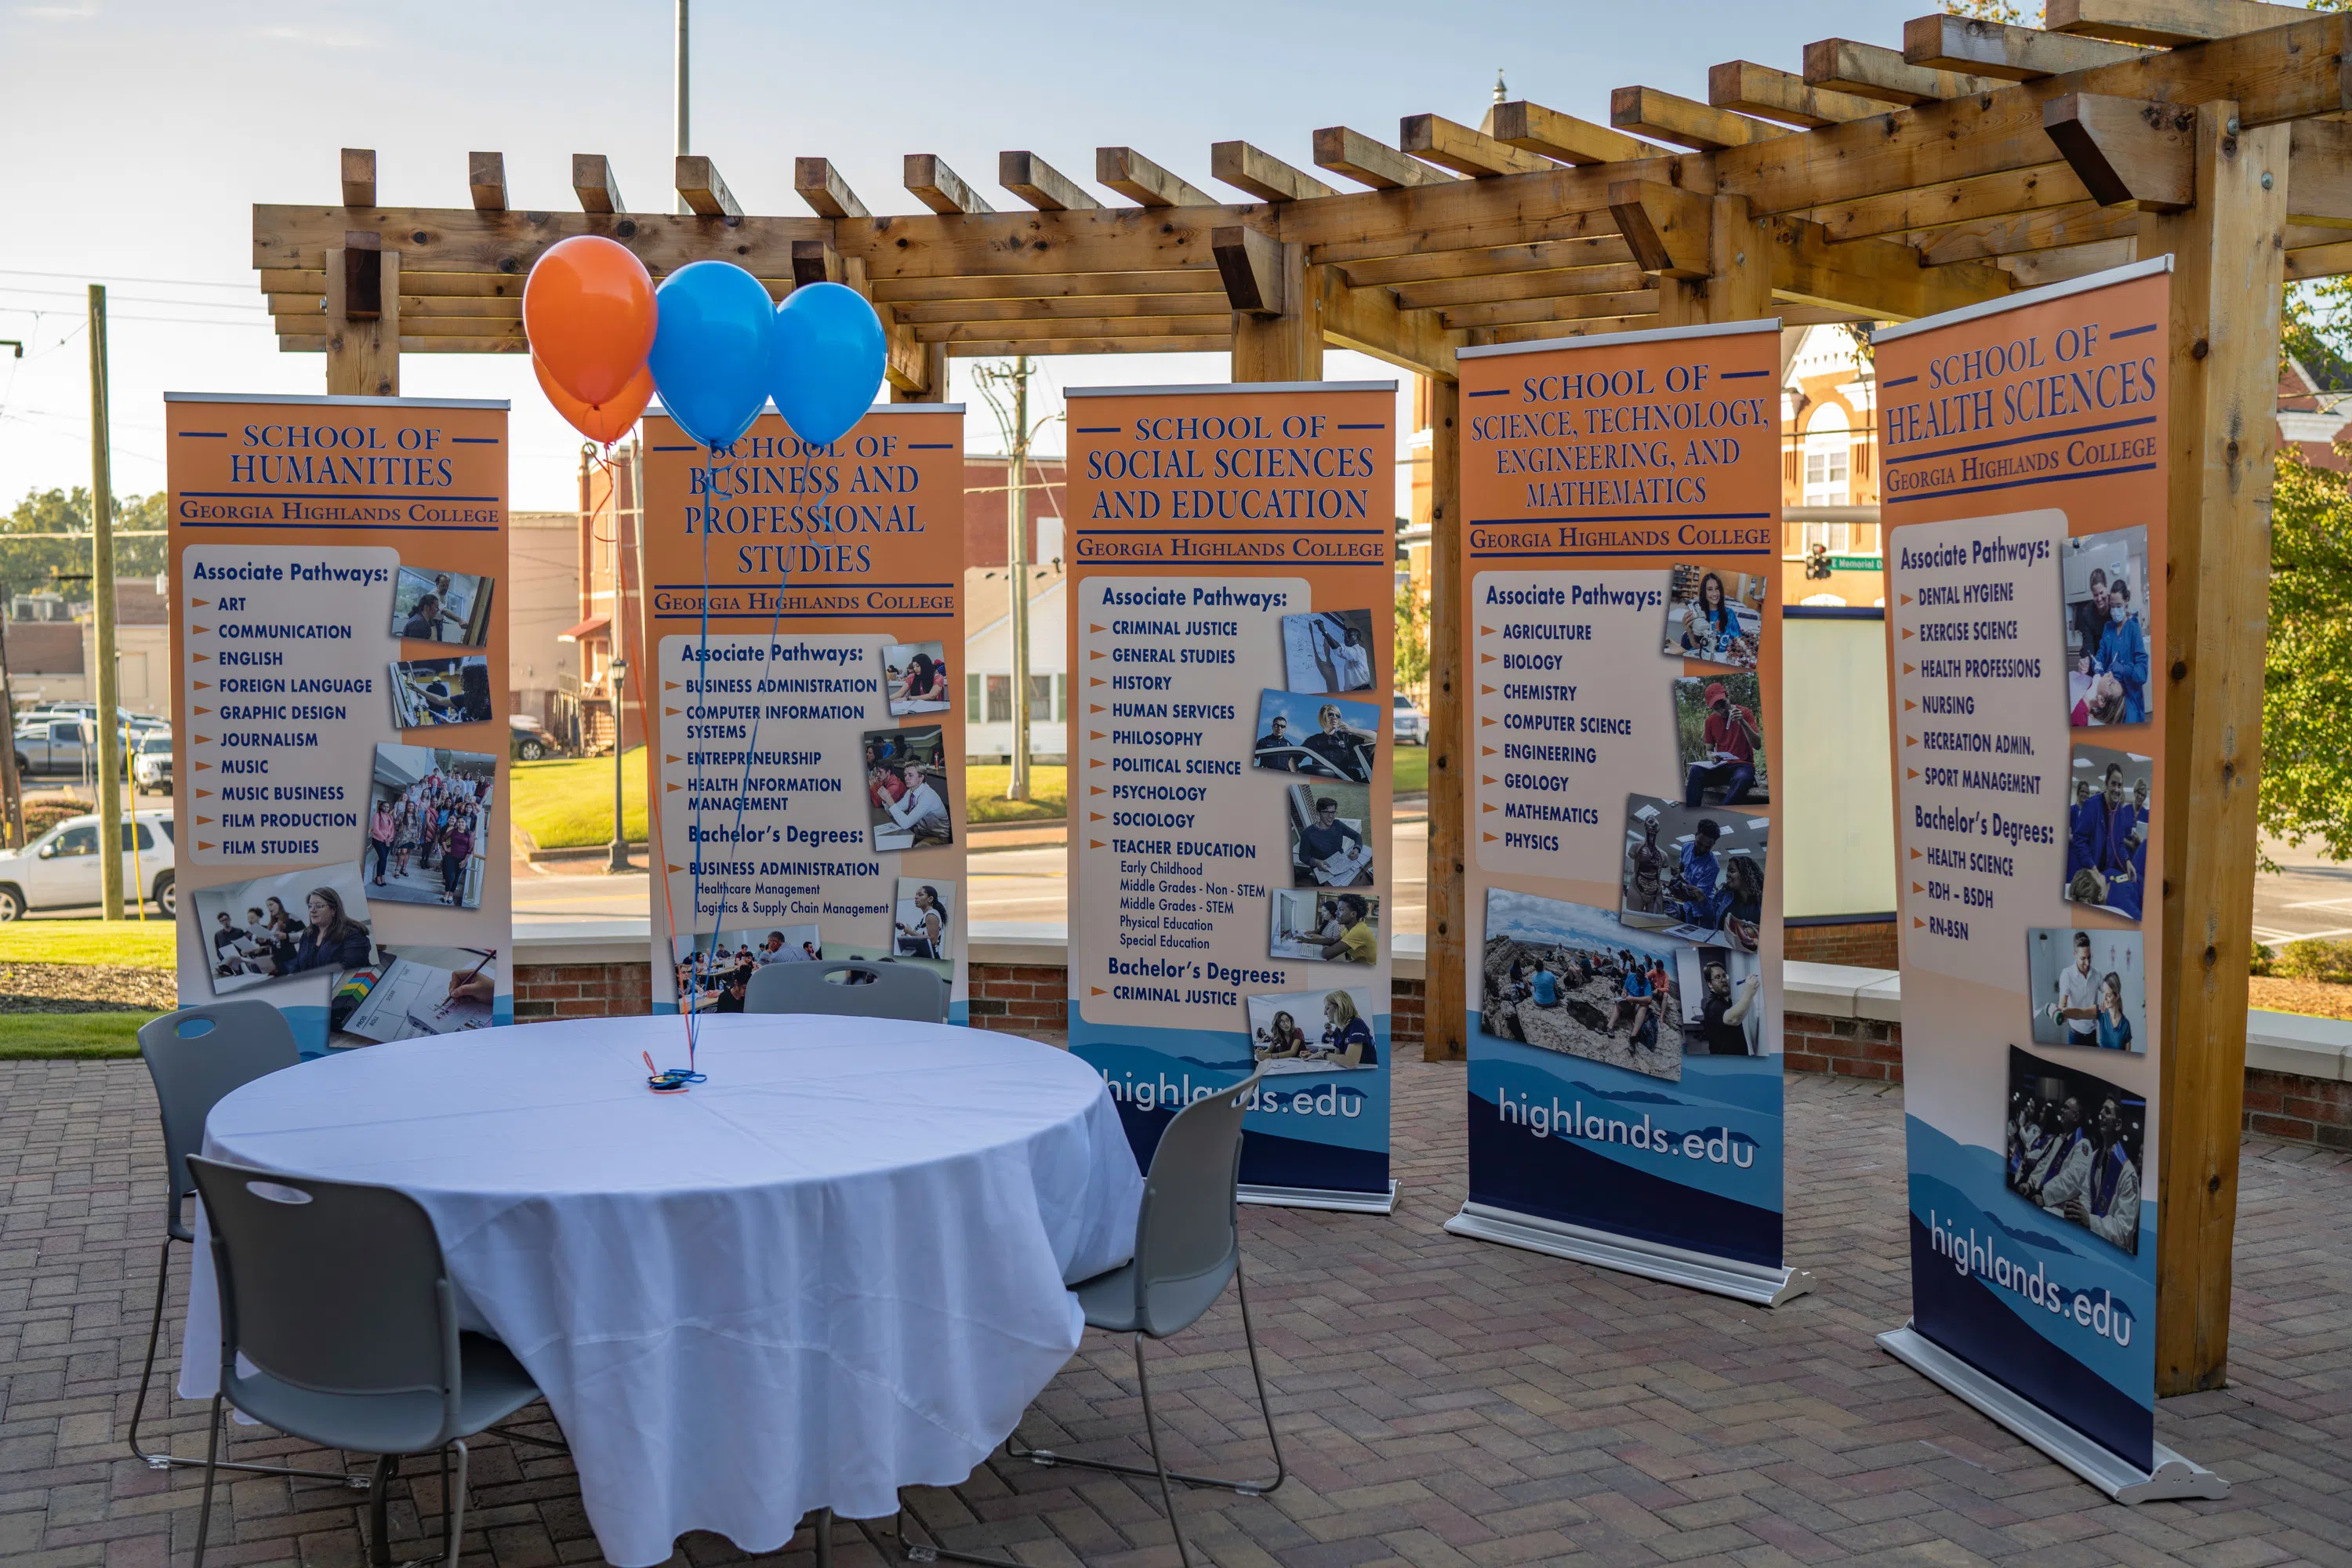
x,y
715,969
2076,1143
1327,737
2108,801
906,788
429,833
1723,1002
2102,582
1719,734
1296,1031
2089,988
1577,979
413,993
296,922
1332,928
921,916
1695,872
1716,616
429,692
916,677
441,607
1327,821
1329,650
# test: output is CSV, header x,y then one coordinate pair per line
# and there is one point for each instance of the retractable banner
x,y
339,710
1231,660
2023,448
1621,620
805,762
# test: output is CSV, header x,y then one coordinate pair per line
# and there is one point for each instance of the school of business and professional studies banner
x,y
805,755
1232,559
2024,449
1622,605
339,710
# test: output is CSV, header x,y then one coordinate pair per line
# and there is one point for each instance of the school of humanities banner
x,y
1621,644
339,710
1232,607
805,747
2023,452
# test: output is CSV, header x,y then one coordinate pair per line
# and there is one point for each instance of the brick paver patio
x,y
1442,1400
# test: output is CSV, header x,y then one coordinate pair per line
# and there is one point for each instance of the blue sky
x,y
139,132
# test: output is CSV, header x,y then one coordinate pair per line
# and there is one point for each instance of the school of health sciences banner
x,y
1621,633
2023,450
805,745
339,710
1232,607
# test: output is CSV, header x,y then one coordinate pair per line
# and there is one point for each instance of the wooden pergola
x,y
1876,183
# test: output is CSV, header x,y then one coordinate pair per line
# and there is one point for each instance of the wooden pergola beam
x,y
1138,179
1369,162
1262,175
1752,89
486,180
1564,137
1867,70
1368,321
1556,284
1877,277
1503,261
1043,286
701,189
2035,269
1667,228
2164,24
931,313
359,176
2022,233
827,194
2319,174
2126,151
930,180
1529,331
815,261
1662,116
1250,262
1219,321
1575,308
591,181
1005,348
1996,50
2034,189
1437,140
1041,185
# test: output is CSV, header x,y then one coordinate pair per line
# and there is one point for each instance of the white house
x,y
988,664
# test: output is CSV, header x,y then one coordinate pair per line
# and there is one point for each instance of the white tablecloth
x,y
835,1269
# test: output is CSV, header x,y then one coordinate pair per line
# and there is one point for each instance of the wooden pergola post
x,y
2228,275
1446,971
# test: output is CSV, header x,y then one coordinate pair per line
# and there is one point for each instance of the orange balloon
x,y
588,310
608,422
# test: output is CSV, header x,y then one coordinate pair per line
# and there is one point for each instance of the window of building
x,y
1061,699
1828,464
999,699
1041,700
971,695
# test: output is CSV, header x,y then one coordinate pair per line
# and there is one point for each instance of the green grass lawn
x,y
1411,769
566,802
130,944
983,796
65,1037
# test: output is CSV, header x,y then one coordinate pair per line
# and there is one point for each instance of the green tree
x,y
32,555
1412,637
2307,667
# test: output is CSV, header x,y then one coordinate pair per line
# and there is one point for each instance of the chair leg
x,y
387,1466
1151,1434
453,1503
166,1461
212,1469
926,1550
1013,1448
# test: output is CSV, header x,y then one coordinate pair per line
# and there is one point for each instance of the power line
x,y
167,321
136,299
117,277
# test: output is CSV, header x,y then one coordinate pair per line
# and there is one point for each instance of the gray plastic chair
x,y
1188,1244
197,1057
905,991
337,1295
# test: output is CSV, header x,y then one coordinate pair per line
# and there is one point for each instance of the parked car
x,y
61,869
1411,726
58,744
529,740
151,763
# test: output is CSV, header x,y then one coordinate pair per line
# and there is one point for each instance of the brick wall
x,y
1033,999
1868,945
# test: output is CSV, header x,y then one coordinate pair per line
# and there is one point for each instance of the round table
x,y
835,1269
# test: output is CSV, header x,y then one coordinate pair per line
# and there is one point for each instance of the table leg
x,y
824,1538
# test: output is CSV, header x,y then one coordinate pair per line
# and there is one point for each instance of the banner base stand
x,y
1319,1198
2174,1477
1722,1276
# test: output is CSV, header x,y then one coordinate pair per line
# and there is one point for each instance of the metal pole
x,y
1016,515
616,859
101,550
12,788
682,98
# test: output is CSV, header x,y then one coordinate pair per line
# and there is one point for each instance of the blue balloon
x,y
828,362
713,343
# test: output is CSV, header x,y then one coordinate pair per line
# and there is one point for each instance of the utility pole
x,y
12,788
681,94
1018,433
616,856
102,548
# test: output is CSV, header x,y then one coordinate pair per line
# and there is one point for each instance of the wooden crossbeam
x,y
1437,140
414,307
939,188
486,180
2035,269
1041,185
2165,23
1869,71
359,176
701,189
1776,95
1138,178
1884,279
2042,186
1668,228
1368,321
1543,256
1662,116
2126,151
1221,322
1206,302
311,341
2055,229
827,194
1536,129
1996,50
1043,286
2319,174
592,183
1556,284
457,239
817,261
1531,331
1369,162
1250,262
1005,348
301,322
1263,175
1574,307
311,281
2319,261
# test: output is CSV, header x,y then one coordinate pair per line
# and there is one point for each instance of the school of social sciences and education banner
x,y
804,753
1622,637
2023,450
339,710
1230,654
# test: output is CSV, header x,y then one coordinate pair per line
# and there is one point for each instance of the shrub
x,y
2317,958
2264,957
